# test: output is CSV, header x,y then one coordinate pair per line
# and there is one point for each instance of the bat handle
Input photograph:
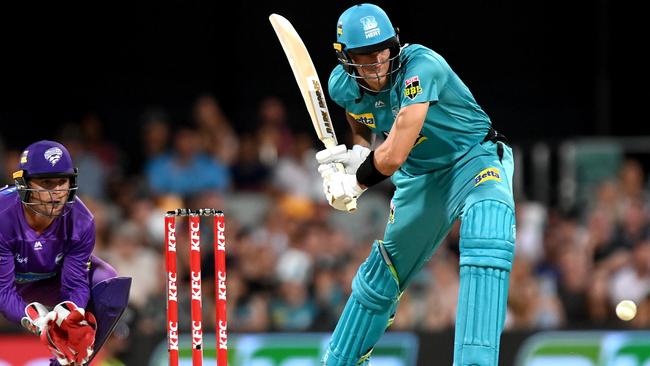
x,y
352,205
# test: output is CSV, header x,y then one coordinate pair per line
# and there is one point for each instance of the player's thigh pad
x,y
375,290
487,237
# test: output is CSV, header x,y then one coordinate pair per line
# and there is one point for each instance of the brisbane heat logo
x,y
370,26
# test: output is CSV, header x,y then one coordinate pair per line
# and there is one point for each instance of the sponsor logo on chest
x,y
367,119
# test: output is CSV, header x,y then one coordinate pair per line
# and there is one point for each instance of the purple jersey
x,y
61,254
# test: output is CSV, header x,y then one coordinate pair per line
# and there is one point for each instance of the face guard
x,y
46,159
43,201
351,68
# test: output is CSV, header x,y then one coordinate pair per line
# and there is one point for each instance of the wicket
x,y
195,278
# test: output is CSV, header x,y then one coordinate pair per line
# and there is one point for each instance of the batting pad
x,y
486,251
366,315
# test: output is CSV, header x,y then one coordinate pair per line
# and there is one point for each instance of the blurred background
x,y
194,105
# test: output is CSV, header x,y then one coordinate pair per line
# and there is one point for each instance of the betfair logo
x,y
367,119
487,174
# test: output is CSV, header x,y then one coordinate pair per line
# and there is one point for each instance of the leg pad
x,y
375,290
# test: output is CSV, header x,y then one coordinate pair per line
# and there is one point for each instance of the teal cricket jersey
x,y
454,123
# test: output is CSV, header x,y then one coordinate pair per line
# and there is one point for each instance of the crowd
x,y
291,257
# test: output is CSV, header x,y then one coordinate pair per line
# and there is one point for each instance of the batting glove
x,y
351,159
340,189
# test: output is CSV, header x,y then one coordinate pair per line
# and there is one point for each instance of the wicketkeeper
x,y
49,280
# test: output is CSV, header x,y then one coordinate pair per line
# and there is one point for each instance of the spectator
x,y
155,133
217,137
131,258
248,172
94,142
186,170
93,174
274,135
632,282
296,173
293,309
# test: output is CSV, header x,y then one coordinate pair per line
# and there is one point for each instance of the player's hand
x,y
341,189
36,318
80,327
351,159
40,321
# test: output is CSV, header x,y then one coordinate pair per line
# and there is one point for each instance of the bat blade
x,y
306,77
309,85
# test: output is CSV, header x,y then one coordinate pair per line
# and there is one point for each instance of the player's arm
x,y
361,135
75,285
12,306
392,153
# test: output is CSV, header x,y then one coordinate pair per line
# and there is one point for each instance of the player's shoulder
x,y
80,212
413,54
420,60
8,198
342,88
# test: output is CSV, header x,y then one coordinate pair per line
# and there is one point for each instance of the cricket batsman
x,y
446,162
49,280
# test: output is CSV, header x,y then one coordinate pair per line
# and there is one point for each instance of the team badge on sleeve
x,y
412,87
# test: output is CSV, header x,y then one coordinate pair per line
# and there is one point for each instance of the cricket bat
x,y
308,83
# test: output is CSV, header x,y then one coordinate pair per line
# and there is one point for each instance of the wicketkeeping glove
x,y
36,318
40,321
80,327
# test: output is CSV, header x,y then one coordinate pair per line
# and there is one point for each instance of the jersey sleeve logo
x,y
487,174
412,87
367,119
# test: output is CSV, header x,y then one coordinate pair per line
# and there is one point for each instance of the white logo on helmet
x,y
370,26
53,155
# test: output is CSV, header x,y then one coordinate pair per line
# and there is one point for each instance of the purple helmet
x,y
44,159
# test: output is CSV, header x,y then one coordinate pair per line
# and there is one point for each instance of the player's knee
x,y
375,286
487,235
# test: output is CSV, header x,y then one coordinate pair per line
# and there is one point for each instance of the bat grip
x,y
352,205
